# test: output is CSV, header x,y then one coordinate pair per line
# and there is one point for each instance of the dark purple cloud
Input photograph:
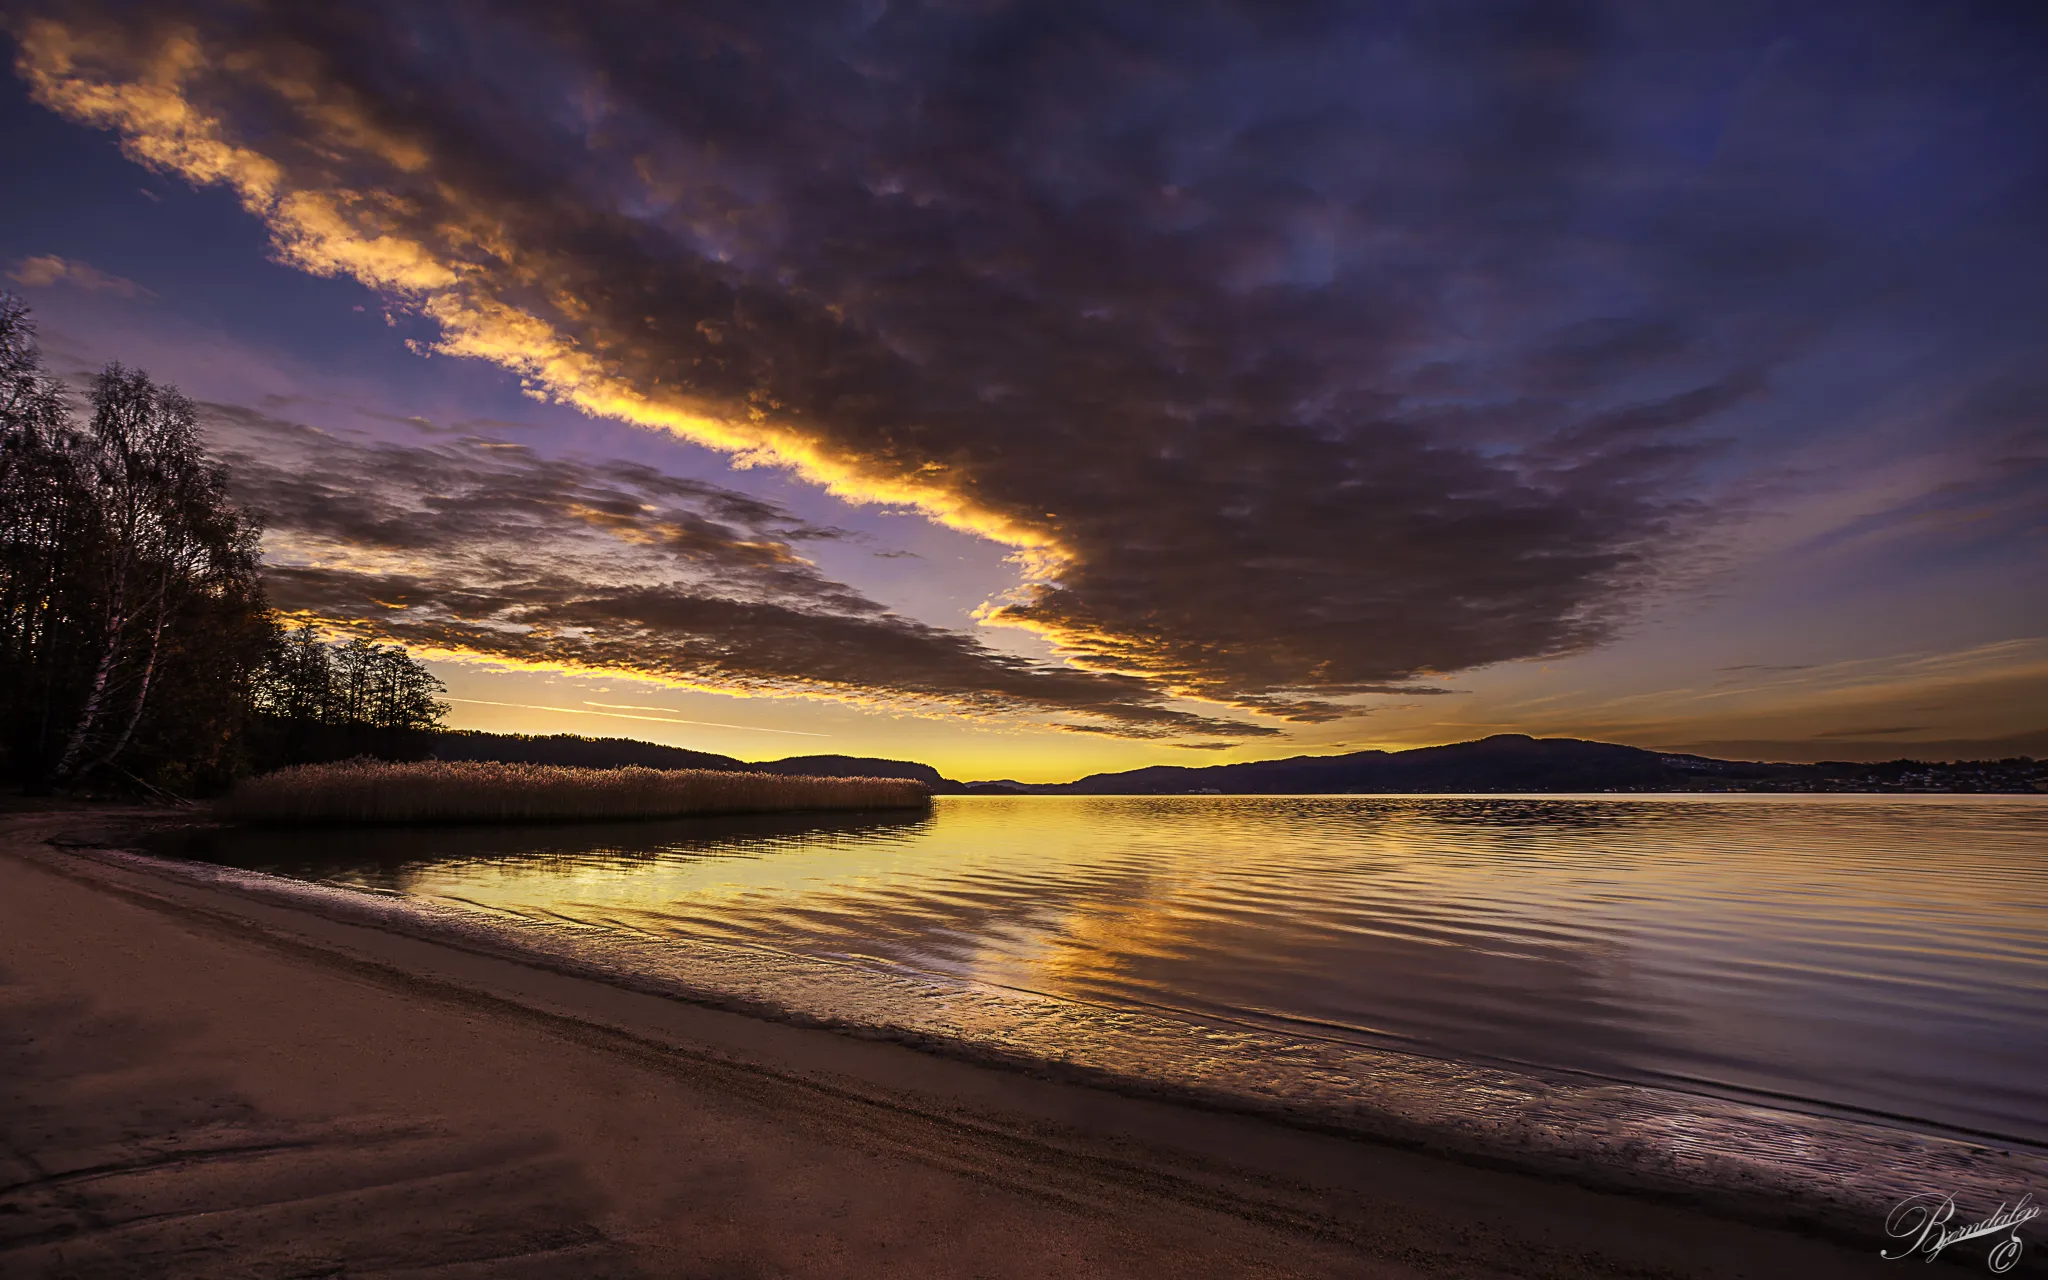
x,y
1319,346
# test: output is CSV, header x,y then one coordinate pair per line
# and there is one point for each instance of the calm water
x,y
1854,956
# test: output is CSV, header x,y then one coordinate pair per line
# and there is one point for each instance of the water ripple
x,y
1840,955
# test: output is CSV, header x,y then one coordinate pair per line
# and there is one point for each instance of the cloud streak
x,y
48,269
476,547
585,711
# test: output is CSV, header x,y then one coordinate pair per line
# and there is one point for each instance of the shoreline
x,y
1318,1189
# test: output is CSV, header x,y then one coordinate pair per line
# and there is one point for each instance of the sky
x,y
1036,390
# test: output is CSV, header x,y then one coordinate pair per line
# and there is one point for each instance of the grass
x,y
363,791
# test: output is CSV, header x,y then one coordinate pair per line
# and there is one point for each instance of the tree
x,y
323,701
404,698
297,680
131,612
135,640
47,530
169,532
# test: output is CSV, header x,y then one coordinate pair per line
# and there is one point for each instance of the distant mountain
x,y
1505,762
1514,762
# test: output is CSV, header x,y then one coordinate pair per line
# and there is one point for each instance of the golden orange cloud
x,y
100,77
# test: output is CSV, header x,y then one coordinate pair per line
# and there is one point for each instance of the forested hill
x,y
612,753
566,748
858,767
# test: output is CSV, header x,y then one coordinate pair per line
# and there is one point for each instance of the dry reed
x,y
362,791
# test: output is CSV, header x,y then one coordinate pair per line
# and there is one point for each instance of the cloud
x,y
1808,750
1920,703
1298,352
618,715
49,269
473,546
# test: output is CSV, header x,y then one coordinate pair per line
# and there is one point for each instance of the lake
x,y
1875,957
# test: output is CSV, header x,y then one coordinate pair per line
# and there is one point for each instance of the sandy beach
x,y
198,1083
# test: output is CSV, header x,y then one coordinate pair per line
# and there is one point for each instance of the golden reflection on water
x,y
1882,953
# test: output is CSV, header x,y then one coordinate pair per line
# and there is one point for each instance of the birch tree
x,y
167,531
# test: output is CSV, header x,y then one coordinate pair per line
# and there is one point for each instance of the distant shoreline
x,y
1503,763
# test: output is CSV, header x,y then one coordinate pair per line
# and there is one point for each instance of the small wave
x,y
1607,1131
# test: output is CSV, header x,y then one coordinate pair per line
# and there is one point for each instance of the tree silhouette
x,y
135,640
168,532
370,693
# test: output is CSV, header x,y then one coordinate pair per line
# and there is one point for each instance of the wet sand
x,y
197,1083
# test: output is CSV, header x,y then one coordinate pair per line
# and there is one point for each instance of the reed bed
x,y
368,791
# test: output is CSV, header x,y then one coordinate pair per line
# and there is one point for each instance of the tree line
x,y
137,647
320,701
